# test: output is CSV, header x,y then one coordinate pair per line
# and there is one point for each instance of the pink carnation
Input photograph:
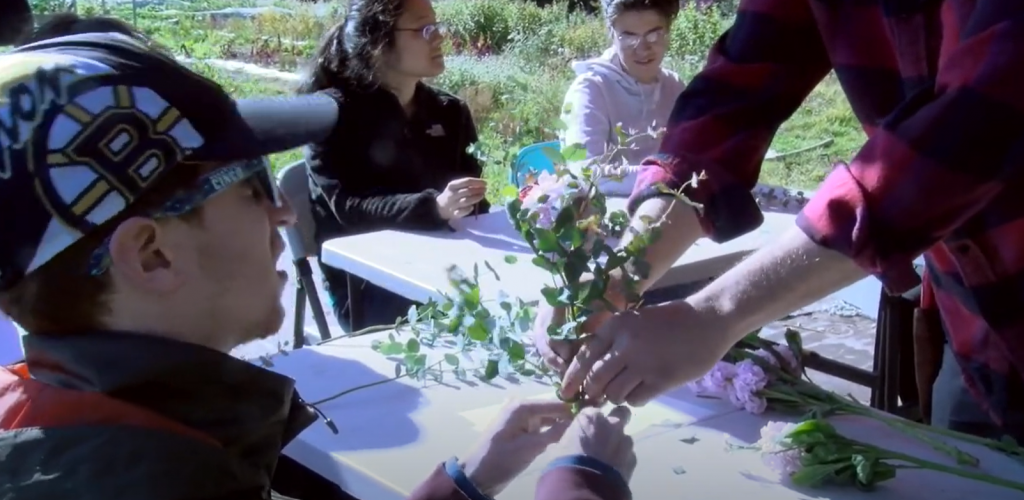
x,y
749,380
716,382
792,364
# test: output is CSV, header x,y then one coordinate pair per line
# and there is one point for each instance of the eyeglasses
x,y
651,37
257,171
428,30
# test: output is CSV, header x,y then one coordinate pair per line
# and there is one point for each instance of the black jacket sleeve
x,y
338,182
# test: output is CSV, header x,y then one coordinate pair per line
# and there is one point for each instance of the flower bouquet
x,y
758,375
572,234
813,453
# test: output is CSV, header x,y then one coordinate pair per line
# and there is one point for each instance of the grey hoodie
x,y
604,95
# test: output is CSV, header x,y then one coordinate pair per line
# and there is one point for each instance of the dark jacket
x,y
15,21
124,416
383,169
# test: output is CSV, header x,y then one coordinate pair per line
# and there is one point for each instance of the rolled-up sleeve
x,y
756,77
933,164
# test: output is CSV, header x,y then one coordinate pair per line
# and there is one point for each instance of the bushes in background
x,y
508,58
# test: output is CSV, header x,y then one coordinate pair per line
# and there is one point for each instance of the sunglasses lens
x,y
265,177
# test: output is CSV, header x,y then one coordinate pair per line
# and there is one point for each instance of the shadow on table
x,y
370,418
488,232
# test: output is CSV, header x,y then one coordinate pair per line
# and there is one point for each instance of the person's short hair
x,y
612,9
63,296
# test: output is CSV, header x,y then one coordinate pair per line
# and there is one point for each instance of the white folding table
x,y
393,434
413,264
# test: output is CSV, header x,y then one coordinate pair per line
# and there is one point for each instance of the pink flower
x,y
546,216
792,364
716,382
557,189
750,376
748,401
748,381
777,452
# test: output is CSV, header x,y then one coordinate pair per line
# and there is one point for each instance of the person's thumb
x,y
554,433
619,417
593,349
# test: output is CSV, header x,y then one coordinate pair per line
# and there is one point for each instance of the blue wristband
x,y
591,464
462,481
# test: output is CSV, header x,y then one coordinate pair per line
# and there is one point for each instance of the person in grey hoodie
x,y
625,86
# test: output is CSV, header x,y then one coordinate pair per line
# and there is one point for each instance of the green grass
x,y
509,60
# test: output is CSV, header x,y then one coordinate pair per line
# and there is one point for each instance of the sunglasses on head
x,y
256,171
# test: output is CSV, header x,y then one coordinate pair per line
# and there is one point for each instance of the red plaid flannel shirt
x,y
939,90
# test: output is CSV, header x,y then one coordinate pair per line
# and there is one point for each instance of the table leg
x,y
355,303
299,327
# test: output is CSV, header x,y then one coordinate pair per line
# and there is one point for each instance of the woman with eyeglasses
x,y
398,159
625,85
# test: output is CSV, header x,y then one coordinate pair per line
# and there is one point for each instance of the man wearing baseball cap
x,y
138,245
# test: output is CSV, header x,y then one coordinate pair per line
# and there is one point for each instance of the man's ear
x,y
140,254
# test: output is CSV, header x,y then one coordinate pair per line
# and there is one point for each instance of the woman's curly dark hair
x,y
350,52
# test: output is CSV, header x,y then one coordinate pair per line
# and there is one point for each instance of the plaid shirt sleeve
x,y
936,161
757,75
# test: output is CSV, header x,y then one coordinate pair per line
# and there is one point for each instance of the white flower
x,y
777,452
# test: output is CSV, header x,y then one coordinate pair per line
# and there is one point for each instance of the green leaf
x,y
865,469
554,155
794,341
814,475
451,359
478,332
552,295
398,370
516,351
574,152
566,218
412,346
391,348
545,264
511,259
546,242
491,370
491,269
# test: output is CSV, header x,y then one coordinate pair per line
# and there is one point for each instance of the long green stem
x,y
1014,450
921,433
367,386
916,430
956,471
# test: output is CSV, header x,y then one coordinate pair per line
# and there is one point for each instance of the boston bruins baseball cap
x,y
89,122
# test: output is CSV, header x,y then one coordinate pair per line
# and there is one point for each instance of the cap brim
x,y
272,125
